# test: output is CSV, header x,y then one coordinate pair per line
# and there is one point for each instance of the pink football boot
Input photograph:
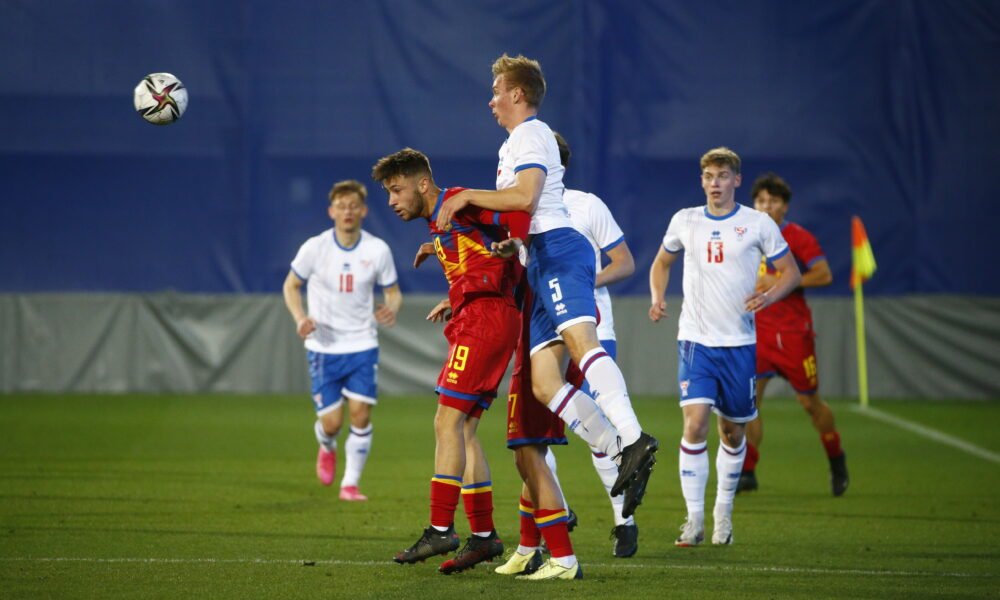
x,y
351,493
326,465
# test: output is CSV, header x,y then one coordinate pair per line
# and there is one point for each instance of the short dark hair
x,y
406,162
772,184
564,151
349,186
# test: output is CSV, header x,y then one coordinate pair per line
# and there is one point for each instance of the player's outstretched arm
x,y
790,279
385,314
523,196
292,291
622,266
659,277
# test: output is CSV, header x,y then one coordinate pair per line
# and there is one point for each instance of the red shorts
x,y
481,339
528,420
790,354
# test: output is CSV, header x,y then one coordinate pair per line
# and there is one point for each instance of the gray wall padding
x,y
918,346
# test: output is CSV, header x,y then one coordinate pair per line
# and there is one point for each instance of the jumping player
x,y
481,336
723,243
592,218
785,335
342,266
560,272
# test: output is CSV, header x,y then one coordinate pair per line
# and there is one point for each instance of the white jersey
x,y
721,259
340,290
533,145
592,218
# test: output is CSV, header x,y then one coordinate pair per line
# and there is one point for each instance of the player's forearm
x,y
293,301
659,277
393,298
505,200
622,266
818,275
613,273
790,279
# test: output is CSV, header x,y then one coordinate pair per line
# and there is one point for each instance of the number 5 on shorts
x,y
556,290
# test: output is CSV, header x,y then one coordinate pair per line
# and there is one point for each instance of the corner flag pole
x,y
859,331
862,268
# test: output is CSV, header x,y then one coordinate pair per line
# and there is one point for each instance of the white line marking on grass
x,y
927,432
372,563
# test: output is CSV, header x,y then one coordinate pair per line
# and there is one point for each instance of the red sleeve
x,y
805,247
517,223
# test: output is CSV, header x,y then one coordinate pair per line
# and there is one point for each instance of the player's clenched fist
x,y
305,326
657,311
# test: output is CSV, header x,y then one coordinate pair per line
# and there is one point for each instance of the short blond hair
x,y
349,186
721,157
525,73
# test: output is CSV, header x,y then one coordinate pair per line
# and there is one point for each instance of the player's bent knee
x,y
448,419
581,338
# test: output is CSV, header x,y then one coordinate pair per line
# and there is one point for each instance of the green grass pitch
x,y
216,497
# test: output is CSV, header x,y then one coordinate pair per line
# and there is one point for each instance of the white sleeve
x,y
672,239
772,243
387,276
603,226
305,261
529,149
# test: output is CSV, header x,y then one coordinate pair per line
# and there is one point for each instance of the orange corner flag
x,y
863,263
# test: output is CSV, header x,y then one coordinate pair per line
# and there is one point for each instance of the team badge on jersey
x,y
740,232
684,387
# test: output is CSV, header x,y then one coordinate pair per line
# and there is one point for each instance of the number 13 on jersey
x,y
715,254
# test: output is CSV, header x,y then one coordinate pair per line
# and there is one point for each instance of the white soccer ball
x,y
160,98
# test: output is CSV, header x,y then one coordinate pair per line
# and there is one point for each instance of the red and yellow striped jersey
x,y
464,251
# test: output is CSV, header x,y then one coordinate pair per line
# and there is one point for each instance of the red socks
x,y
831,443
750,462
553,526
478,500
445,490
531,536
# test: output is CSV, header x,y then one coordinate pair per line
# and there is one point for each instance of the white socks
x,y
728,464
607,470
359,442
693,469
609,390
328,442
584,418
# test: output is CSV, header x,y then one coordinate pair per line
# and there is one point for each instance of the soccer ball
x,y
160,98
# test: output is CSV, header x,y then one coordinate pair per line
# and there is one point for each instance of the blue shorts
x,y
561,274
337,376
725,377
